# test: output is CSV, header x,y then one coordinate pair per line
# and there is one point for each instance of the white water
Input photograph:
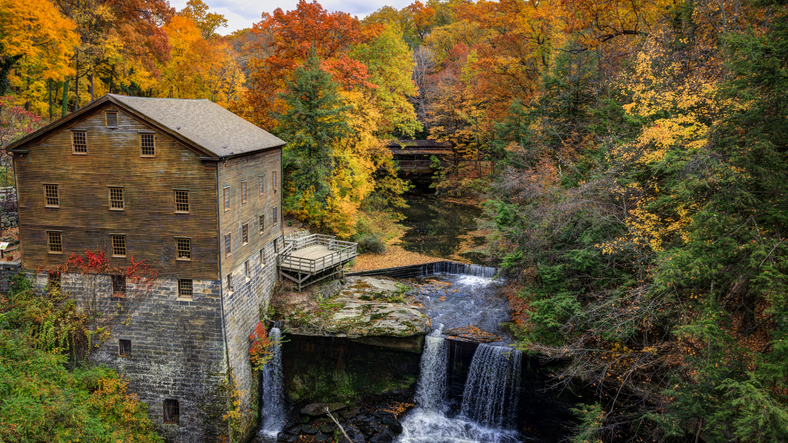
x,y
432,390
494,374
273,408
462,300
490,395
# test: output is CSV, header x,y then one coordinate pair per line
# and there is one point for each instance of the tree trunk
x,y
64,104
76,84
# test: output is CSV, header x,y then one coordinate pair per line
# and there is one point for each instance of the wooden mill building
x,y
191,189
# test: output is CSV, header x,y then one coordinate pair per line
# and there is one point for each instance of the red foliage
x,y
260,351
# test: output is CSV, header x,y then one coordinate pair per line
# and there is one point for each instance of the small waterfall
x,y
491,391
454,268
432,389
273,408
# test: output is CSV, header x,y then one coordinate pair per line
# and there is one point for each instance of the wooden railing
x,y
341,252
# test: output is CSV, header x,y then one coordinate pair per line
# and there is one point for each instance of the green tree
x,y
313,126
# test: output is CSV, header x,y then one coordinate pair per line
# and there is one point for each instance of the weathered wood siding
x,y
148,220
249,169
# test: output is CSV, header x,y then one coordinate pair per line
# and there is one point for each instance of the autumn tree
x,y
199,68
293,35
207,22
37,43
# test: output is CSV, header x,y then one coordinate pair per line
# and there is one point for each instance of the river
x,y
443,229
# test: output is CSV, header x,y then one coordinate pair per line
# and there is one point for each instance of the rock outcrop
x,y
362,307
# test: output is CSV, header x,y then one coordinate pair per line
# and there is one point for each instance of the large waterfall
x,y
273,407
489,401
491,391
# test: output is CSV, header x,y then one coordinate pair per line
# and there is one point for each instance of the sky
x,y
243,13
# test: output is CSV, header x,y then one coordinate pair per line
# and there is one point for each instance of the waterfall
x,y
491,391
433,422
273,407
454,268
432,389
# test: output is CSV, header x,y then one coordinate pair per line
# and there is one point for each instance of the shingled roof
x,y
201,123
205,123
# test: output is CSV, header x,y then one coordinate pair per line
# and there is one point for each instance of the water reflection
x,y
442,229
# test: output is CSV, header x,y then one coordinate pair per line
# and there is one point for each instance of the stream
x,y
442,229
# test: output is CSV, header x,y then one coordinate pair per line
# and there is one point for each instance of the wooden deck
x,y
308,259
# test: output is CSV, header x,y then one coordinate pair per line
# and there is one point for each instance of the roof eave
x,y
242,154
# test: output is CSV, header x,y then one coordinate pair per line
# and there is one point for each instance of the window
x,y
274,219
171,412
118,285
112,119
226,199
118,245
262,257
230,282
273,180
55,242
243,193
262,184
124,348
262,223
51,196
245,233
185,288
184,246
53,278
227,244
79,142
182,201
147,144
116,199
246,269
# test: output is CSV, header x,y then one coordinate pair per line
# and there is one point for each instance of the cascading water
x,y
491,391
273,408
490,396
431,391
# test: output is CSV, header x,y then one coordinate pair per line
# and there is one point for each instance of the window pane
x,y
79,142
243,192
226,199
52,199
118,245
55,242
184,248
245,233
185,288
181,201
116,198
147,144
227,249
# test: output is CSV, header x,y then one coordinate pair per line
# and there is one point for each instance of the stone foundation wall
x,y
7,272
176,349
242,307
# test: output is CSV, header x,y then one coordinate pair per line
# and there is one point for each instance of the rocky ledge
x,y
360,308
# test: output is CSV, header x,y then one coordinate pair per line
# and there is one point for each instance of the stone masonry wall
x,y
251,293
7,272
177,350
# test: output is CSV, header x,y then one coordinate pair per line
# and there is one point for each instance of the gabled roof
x,y
201,124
